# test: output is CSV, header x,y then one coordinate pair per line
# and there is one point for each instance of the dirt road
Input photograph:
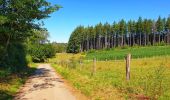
x,y
45,85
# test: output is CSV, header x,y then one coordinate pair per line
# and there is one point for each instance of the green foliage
x,y
60,47
142,32
19,21
159,24
29,59
137,52
74,41
15,60
41,52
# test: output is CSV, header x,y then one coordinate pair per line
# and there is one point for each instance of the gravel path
x,y
45,84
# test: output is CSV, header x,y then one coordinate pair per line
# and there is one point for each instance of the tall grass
x,y
150,78
11,82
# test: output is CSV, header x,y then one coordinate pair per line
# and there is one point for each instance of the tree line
x,y
21,31
142,32
59,47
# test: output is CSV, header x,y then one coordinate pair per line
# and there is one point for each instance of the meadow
x,y
150,77
137,52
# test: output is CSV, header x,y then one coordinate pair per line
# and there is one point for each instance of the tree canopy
x,y
120,34
18,21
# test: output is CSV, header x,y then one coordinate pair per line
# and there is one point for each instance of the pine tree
x,y
159,27
143,32
139,30
167,28
122,31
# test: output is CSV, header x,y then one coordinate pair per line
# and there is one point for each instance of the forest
x,y
143,32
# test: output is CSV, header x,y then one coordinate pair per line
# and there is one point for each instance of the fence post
x,y
128,58
81,63
94,66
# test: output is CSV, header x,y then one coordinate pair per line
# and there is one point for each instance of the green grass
x,y
150,77
10,82
137,52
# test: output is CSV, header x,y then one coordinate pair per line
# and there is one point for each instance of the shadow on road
x,y
44,81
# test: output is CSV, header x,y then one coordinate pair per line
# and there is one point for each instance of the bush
x,y
41,52
29,59
15,58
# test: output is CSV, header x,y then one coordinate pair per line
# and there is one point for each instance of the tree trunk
x,y
87,43
105,45
93,42
130,39
145,39
114,40
159,38
168,37
153,38
111,42
125,39
99,42
133,39
108,42
140,39
117,40
122,40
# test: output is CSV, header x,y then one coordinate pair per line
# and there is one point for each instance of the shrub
x,y
15,58
41,52
29,58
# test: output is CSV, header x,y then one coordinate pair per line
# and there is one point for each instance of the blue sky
x,y
90,12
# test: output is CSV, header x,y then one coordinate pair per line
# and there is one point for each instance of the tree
x,y
18,19
159,27
106,31
98,29
75,40
139,30
133,30
122,31
153,32
130,28
167,28
113,34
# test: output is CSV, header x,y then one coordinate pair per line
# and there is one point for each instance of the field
x,y
137,52
10,82
150,77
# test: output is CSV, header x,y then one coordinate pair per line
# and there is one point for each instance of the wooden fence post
x,y
81,63
128,58
94,66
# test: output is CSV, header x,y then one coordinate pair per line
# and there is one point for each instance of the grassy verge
x,y
137,52
10,83
150,78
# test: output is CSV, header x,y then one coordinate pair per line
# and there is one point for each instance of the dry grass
x,y
150,77
10,82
